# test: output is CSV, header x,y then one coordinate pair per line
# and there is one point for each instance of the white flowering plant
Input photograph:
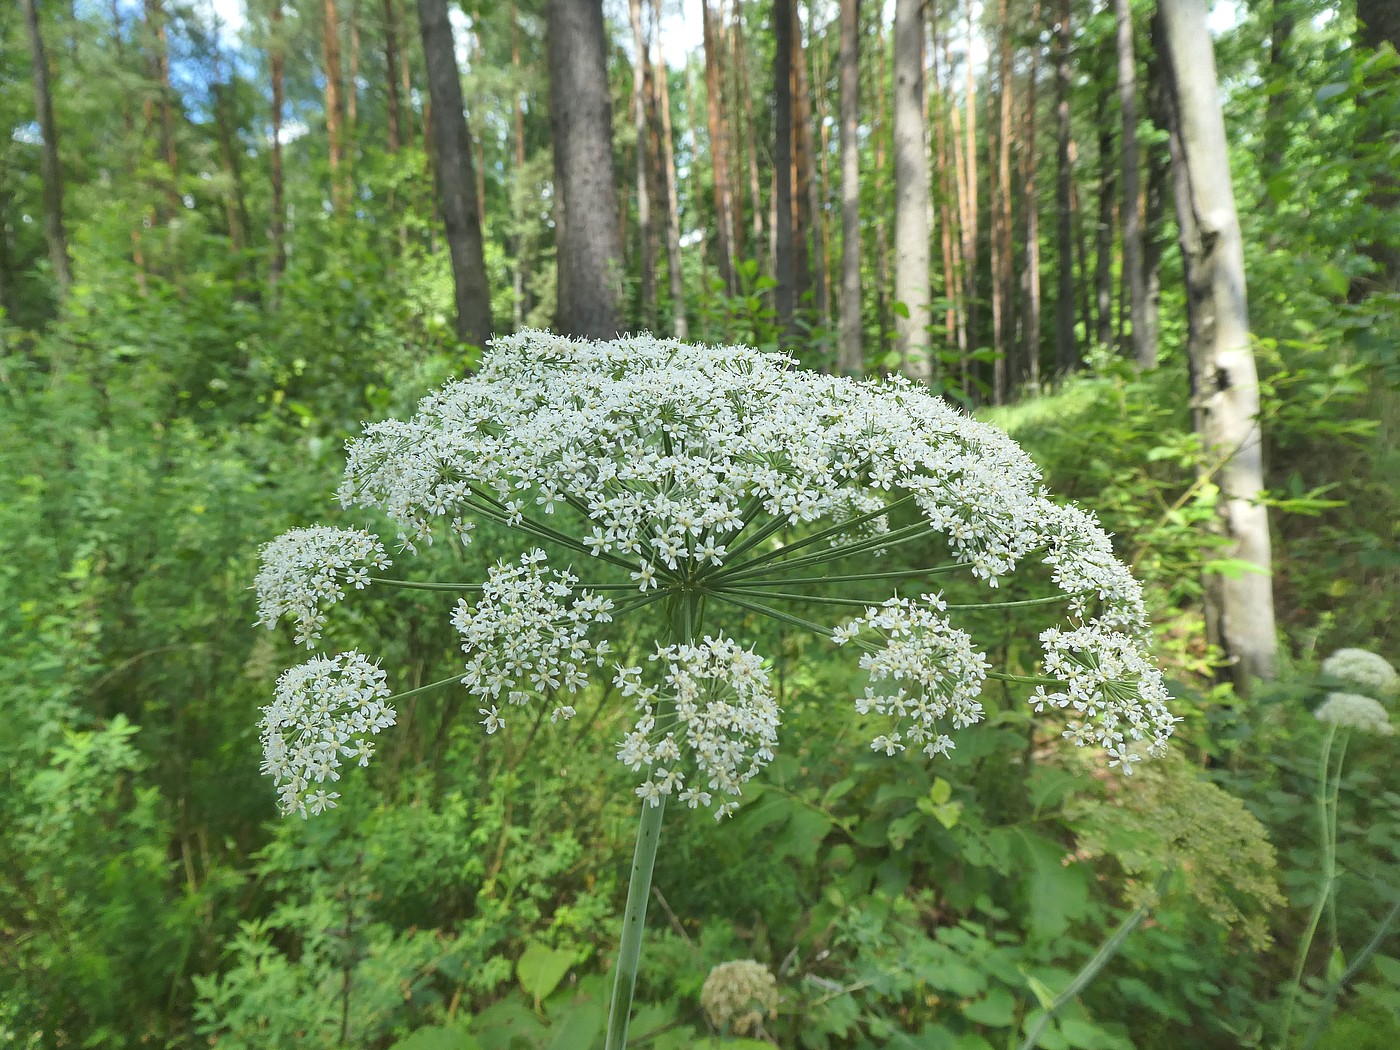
x,y
720,486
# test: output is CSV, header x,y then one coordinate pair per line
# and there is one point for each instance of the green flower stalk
x,y
726,484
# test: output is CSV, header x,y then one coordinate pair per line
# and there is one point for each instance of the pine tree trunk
x,y
352,83
330,56
391,86
911,233
679,327
784,270
1104,228
821,185
1066,352
972,217
1225,391
850,360
517,265
1144,334
1003,296
452,145
55,233
405,80
801,167
719,150
741,66
809,197
586,210
226,128
945,194
882,247
639,122
1030,330
1378,23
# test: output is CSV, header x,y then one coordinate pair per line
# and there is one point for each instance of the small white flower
x,y
305,570
324,709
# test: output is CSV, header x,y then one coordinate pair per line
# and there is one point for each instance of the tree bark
x,y
1225,392
391,85
645,233
1031,207
55,233
971,218
911,233
1003,295
784,271
1143,334
741,65
810,251
1379,24
821,185
352,83
679,325
882,247
719,150
1103,230
585,187
456,181
850,360
1066,352
330,56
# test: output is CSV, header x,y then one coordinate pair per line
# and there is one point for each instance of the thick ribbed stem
x,y
685,623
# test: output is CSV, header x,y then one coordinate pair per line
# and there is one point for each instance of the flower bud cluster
x,y
525,638
924,673
738,995
709,727
1364,670
324,710
1114,691
305,570
1354,711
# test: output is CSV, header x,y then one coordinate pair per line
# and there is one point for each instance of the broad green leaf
x,y
541,969
437,1038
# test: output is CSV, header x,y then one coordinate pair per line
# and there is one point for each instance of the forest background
x,y
222,248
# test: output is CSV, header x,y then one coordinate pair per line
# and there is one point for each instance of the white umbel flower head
x,y
1354,711
306,570
729,483
1364,670
325,709
707,728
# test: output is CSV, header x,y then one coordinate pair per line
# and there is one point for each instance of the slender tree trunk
x,y
1225,391
679,326
822,186
809,200
235,201
945,194
784,270
1031,208
1003,298
639,122
1144,341
970,221
756,207
52,171
277,223
1066,352
911,233
330,55
850,360
352,85
801,166
882,247
517,267
719,149
452,144
1379,24
405,79
585,203
391,86
1278,124
960,243
1103,231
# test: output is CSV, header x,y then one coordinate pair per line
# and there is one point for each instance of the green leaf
x,y
996,1010
1043,995
902,828
437,1038
541,969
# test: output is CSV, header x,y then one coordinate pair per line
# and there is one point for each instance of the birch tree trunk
x,y
452,143
585,202
849,360
911,233
1225,392
55,233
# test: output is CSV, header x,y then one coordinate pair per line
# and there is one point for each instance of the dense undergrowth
x,y
468,891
